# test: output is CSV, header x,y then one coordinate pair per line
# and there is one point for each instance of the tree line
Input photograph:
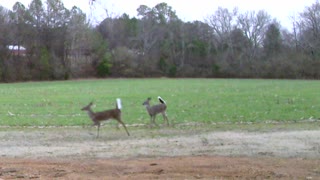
x,y
61,43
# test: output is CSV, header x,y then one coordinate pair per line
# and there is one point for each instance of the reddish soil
x,y
196,167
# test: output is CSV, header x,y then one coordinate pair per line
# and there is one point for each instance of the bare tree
x,y
309,29
254,26
222,23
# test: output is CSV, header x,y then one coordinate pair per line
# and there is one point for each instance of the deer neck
x,y
90,113
147,106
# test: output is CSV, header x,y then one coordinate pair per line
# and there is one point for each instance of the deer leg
x,y
154,121
98,130
165,118
119,120
151,121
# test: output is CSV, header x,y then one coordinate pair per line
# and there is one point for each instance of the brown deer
x,y
97,117
156,109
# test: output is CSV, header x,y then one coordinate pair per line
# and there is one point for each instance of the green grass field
x,y
189,100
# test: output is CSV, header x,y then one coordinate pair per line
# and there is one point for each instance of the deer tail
x,y
161,100
119,106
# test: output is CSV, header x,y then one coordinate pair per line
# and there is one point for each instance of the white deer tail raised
x,y
161,100
119,106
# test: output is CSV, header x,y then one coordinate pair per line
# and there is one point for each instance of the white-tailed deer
x,y
97,117
156,109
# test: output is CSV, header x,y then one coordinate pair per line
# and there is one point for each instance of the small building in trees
x,y
17,50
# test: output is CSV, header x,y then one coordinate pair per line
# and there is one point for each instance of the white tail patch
x,y
161,100
119,103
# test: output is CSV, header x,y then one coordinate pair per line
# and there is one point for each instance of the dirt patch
x,y
75,153
196,167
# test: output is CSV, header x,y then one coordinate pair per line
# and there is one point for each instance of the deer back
x,y
107,114
155,109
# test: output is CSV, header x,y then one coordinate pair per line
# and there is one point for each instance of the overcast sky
x,y
191,10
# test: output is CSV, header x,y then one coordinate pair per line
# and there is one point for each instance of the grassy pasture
x,y
189,100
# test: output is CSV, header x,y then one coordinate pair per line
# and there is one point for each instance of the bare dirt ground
x,y
161,153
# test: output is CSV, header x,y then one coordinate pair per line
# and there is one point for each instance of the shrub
x,y
103,68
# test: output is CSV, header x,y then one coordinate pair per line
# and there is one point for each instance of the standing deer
x,y
156,109
97,117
